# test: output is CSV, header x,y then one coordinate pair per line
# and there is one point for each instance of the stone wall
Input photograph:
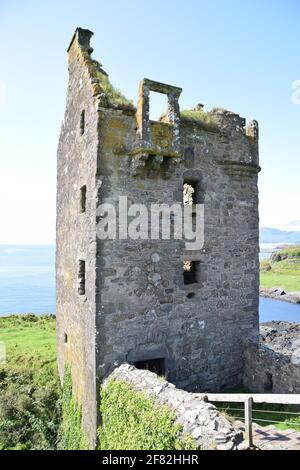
x,y
76,235
273,364
146,311
200,420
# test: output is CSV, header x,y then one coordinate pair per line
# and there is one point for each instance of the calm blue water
x,y
27,279
270,309
27,284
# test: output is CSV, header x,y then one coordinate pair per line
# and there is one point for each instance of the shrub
x,y
133,421
29,413
265,266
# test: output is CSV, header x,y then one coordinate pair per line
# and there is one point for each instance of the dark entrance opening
x,y
153,365
268,385
190,272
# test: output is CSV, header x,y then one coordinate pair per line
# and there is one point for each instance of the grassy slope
x,y
30,345
284,273
29,386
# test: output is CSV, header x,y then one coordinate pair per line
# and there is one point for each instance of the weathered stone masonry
x,y
272,365
125,300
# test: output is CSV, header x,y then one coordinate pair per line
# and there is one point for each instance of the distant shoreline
x,y
279,294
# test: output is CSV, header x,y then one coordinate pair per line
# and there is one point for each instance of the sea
x,y
27,283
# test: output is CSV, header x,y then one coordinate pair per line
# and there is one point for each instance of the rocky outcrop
x,y
279,294
283,337
200,420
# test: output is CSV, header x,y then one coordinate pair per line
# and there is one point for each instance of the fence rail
x,y
248,400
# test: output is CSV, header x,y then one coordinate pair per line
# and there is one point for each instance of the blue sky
x,y
243,56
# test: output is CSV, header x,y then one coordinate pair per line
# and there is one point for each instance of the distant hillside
x,y
273,235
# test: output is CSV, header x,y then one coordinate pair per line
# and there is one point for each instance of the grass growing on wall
x,y
200,116
29,384
114,95
71,435
133,421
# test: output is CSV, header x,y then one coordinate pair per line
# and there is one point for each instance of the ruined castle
x,y
124,300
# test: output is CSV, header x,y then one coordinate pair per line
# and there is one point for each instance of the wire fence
x,y
265,416
262,409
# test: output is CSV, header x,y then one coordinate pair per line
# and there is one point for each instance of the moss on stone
x,y
71,435
132,420
161,135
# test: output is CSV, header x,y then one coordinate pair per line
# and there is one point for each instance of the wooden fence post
x,y
248,421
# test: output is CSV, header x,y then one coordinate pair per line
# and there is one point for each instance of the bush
x,y
29,414
133,421
265,266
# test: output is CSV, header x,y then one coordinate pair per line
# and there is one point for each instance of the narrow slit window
x,y
65,338
268,385
193,192
81,277
189,193
82,122
83,199
191,272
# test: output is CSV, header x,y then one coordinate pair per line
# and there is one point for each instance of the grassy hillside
x,y
29,386
282,270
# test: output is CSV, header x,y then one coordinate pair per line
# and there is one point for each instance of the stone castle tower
x,y
181,313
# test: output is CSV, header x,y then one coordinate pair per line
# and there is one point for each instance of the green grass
x,y
114,95
30,345
284,273
132,420
264,414
200,116
267,412
29,385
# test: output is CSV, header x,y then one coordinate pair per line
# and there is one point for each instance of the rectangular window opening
x,y
65,338
189,193
191,271
82,122
81,277
82,199
153,365
158,104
